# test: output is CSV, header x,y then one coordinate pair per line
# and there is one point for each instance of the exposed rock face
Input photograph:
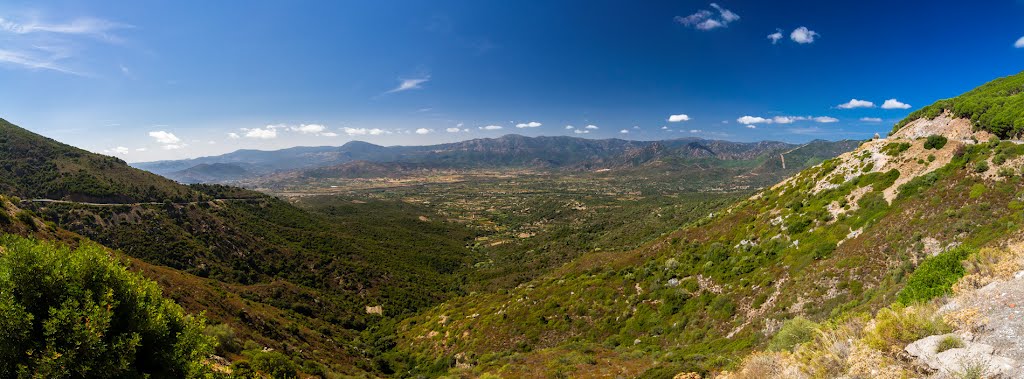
x,y
973,356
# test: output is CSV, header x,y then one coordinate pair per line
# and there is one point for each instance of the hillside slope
x,y
33,166
839,238
282,277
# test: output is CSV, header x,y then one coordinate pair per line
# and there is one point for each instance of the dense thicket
x,y
78,313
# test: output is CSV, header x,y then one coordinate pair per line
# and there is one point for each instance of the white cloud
x,y
269,132
314,129
569,127
624,131
141,149
855,103
695,130
408,84
453,130
895,104
423,131
775,37
664,128
164,137
751,126
329,134
825,119
581,131
531,124
233,136
363,131
173,146
786,119
592,127
750,120
871,119
678,118
707,20
1020,43
803,35
491,127
117,150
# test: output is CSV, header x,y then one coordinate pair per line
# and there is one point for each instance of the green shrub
x,y
934,277
949,342
26,218
275,364
977,190
980,167
935,142
898,326
79,313
893,149
224,335
793,332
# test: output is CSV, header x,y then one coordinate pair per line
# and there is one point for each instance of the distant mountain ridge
x,y
558,152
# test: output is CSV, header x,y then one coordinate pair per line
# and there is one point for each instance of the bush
x,y
934,277
893,149
981,167
949,342
935,142
224,335
79,313
793,332
898,326
275,364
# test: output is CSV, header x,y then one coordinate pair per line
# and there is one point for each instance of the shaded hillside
x,y
210,172
33,166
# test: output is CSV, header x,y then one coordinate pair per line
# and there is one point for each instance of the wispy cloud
x,y
705,19
775,37
750,121
410,84
87,26
364,131
34,44
491,127
1020,43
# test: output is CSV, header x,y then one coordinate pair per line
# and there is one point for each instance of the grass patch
x,y
949,342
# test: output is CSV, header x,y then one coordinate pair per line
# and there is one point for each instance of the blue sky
x,y
174,79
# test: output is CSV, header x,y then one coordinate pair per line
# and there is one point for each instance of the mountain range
x,y
511,151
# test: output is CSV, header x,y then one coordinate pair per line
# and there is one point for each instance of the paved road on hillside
x,y
55,201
